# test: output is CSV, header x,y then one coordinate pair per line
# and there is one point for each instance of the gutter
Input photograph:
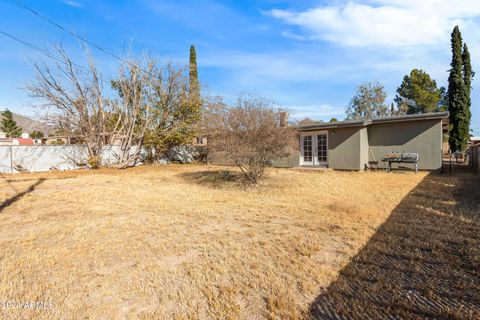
x,y
365,123
335,126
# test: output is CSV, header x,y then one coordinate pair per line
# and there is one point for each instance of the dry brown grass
x,y
184,242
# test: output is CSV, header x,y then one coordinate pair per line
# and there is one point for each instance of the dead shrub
x,y
250,135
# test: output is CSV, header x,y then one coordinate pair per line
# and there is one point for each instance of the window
x,y
201,140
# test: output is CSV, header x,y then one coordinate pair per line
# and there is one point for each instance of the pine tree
x,y
194,83
35,134
457,96
443,103
418,93
9,126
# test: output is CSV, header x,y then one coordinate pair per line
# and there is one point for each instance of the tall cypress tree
x,y
467,79
9,126
194,83
457,96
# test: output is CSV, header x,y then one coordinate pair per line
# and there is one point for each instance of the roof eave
x,y
364,123
416,117
333,125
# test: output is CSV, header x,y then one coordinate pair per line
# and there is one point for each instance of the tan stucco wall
x,y
344,148
422,137
364,148
219,158
351,148
291,161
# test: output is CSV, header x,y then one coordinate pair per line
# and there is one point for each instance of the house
x,y
4,141
352,145
25,140
56,140
199,141
474,141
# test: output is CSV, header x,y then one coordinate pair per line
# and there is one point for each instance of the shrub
x,y
249,135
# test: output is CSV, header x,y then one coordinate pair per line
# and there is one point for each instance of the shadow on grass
x,y
5,204
423,262
213,178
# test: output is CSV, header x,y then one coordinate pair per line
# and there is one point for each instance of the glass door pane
x,y
322,148
307,148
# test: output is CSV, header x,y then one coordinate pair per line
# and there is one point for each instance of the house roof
x,y
24,141
366,122
21,141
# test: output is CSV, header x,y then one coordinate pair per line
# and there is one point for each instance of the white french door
x,y
314,149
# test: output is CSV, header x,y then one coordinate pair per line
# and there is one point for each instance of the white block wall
x,y
47,157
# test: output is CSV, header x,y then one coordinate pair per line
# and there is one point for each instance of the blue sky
x,y
308,56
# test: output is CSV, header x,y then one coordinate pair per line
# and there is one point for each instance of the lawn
x,y
184,242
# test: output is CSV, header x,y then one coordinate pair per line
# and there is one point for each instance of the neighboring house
x,y
4,141
108,139
25,140
199,141
29,125
474,141
351,145
56,140
22,142
474,154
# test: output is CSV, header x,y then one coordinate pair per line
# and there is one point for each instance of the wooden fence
x,y
475,158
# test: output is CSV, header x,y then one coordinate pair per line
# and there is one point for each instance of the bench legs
x,y
390,166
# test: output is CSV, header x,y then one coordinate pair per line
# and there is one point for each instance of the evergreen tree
x,y
418,93
35,134
9,126
457,97
443,103
467,79
194,83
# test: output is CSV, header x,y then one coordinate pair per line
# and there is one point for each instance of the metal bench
x,y
405,157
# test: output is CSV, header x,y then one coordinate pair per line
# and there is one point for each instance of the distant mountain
x,y
29,125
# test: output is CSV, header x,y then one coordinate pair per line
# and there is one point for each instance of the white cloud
x,y
387,23
281,66
316,112
72,3
292,35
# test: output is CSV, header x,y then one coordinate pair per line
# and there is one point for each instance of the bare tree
x,y
159,112
153,110
177,111
368,102
134,112
249,134
74,98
